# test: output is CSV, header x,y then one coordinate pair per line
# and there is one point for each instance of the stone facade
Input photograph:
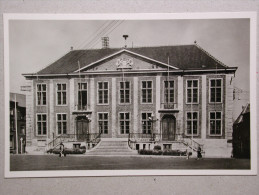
x,y
216,145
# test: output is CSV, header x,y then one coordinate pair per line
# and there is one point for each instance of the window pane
x,y
149,84
127,85
189,83
43,87
212,115
143,84
39,127
189,116
218,115
195,115
212,83
218,82
105,85
195,83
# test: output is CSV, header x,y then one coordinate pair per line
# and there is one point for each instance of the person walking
x,y
199,153
62,150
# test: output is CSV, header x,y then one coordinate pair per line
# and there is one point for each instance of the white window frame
x,y
221,127
220,92
186,91
103,121
123,103
147,121
146,89
44,135
61,94
124,121
62,132
164,88
186,130
103,89
41,94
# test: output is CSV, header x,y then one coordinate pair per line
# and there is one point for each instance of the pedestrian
x,y
62,150
187,154
199,153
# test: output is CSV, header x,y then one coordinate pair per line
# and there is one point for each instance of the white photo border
x,y
134,16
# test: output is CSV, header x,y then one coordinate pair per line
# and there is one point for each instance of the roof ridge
x,y
206,52
146,46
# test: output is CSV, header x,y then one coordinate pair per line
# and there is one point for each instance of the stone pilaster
x,y
203,107
135,105
114,129
229,106
92,98
29,114
158,104
179,120
52,116
72,105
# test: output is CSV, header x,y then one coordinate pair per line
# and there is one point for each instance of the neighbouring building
x,y
150,95
19,122
241,134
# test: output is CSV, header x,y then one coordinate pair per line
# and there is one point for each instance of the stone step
x,y
111,147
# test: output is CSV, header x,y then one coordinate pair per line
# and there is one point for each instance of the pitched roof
x,y
183,57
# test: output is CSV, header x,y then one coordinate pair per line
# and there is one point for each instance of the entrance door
x,y
168,128
82,128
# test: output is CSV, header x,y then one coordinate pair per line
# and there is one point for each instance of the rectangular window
x,y
103,123
146,91
215,123
103,92
41,124
62,94
124,123
41,94
192,123
82,96
62,123
215,90
146,123
169,91
192,91
125,92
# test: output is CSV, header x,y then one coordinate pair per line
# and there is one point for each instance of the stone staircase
x,y
111,148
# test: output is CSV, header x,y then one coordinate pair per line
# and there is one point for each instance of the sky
x,y
35,44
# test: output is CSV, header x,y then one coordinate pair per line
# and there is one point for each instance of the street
x,y
74,162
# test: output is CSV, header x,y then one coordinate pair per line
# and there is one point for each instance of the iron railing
x,y
90,137
188,141
79,107
169,106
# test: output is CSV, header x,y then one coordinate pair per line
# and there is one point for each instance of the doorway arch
x,y
168,128
82,127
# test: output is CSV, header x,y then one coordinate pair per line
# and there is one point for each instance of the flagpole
x,y
16,130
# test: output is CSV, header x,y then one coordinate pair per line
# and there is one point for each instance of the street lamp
x,y
152,120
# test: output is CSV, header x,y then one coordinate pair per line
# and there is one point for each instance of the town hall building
x,y
149,96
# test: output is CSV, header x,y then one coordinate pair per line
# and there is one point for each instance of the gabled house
x,y
241,134
17,120
148,95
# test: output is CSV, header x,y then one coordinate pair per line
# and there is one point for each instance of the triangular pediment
x,y
125,60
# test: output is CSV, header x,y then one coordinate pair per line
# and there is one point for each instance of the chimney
x,y
71,48
105,42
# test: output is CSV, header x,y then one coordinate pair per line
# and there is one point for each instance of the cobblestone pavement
x,y
73,162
